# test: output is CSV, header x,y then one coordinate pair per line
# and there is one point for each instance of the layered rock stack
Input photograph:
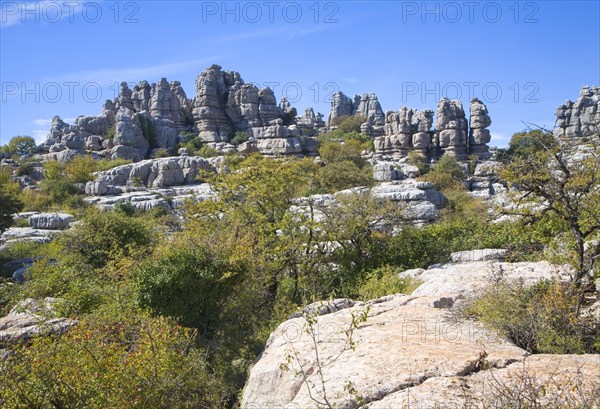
x,y
422,138
451,129
365,105
479,136
581,118
409,130
311,123
397,141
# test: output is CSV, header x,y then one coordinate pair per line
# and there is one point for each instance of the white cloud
x,y
45,11
40,135
42,122
499,140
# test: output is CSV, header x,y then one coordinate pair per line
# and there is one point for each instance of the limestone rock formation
x,y
405,130
479,136
51,221
151,173
404,341
412,352
129,141
365,105
580,118
451,129
311,123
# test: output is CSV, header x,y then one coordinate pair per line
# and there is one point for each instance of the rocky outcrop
x,y
479,136
365,105
310,124
144,199
581,118
51,221
563,381
151,173
31,318
451,129
412,351
405,130
469,278
404,341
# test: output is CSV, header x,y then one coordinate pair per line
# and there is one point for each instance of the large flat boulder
x,y
405,341
468,278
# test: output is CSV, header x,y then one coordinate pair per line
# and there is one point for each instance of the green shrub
x,y
185,284
239,138
10,201
337,176
131,361
332,152
541,319
111,131
385,281
80,169
106,164
446,174
349,124
25,168
149,131
160,153
207,152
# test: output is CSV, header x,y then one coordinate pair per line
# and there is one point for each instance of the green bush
x,y
207,152
384,281
349,124
134,361
185,284
332,152
337,176
149,131
10,201
239,138
541,319
111,131
446,174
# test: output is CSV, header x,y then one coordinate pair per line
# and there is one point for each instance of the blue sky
x,y
521,58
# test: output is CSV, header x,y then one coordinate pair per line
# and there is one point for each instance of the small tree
x,y
22,145
556,182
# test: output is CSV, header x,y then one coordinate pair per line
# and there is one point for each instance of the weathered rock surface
x,y
365,105
451,128
151,173
31,318
403,342
51,221
478,255
413,352
479,136
581,118
172,197
469,278
562,381
19,234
